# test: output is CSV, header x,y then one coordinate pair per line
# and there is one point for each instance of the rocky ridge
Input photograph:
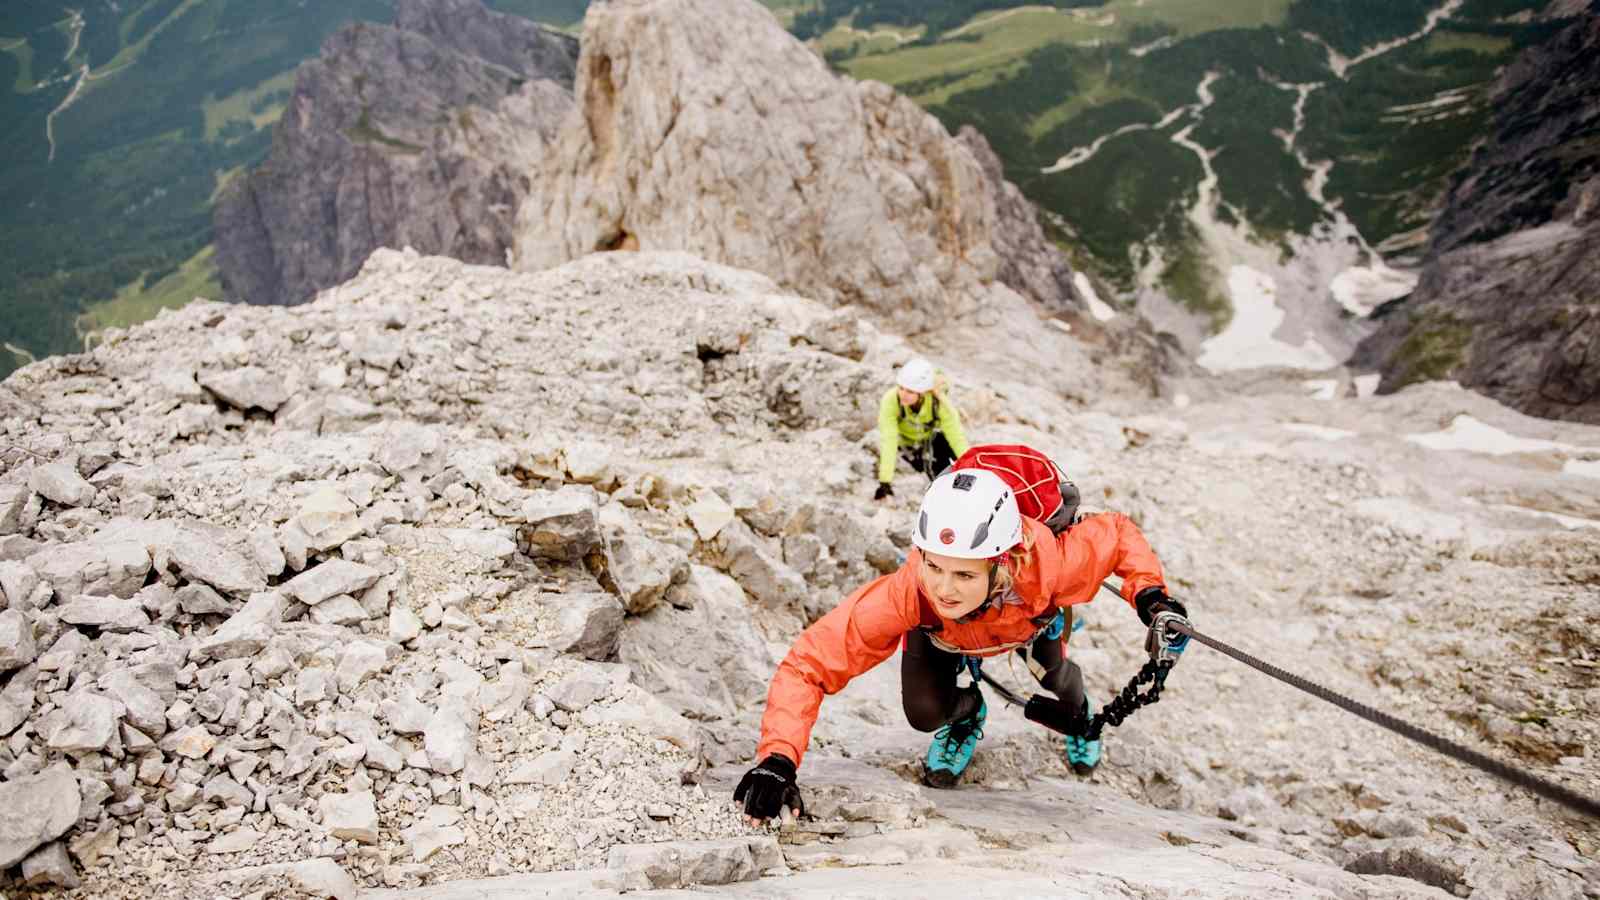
x,y
418,134
705,127
448,575
1506,297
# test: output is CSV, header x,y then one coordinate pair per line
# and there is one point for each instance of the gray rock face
x,y
13,498
684,863
706,127
34,810
641,569
1505,304
1029,263
448,739
705,661
49,865
417,134
111,613
90,724
17,647
470,29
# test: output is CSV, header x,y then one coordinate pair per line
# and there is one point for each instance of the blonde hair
x,y
1016,558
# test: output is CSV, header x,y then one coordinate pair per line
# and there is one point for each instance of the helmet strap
x,y
995,562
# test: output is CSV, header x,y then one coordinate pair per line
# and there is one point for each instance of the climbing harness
x,y
1548,789
920,456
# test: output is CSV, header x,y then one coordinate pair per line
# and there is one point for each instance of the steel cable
x,y
1548,789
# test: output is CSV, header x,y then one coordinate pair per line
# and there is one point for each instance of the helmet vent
x,y
922,525
982,533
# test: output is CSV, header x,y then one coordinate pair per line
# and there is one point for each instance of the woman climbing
x,y
916,418
982,580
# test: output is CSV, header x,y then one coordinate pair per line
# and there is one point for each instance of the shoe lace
x,y
955,734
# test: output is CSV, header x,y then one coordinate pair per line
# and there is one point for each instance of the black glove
x,y
1153,600
769,787
885,489
1056,716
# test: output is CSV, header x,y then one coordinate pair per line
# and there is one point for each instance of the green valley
x,y
1046,81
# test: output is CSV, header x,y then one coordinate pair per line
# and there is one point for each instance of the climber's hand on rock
x,y
769,789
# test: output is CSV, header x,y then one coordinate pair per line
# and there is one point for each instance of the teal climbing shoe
x,y
1083,755
952,749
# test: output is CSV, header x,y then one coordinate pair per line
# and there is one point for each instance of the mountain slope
x,y
460,572
1507,301
420,134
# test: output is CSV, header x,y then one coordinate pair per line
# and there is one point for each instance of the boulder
x,y
60,482
247,387
681,864
561,525
35,810
17,646
350,817
329,579
587,623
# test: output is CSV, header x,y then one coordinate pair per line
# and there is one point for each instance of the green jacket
x,y
899,427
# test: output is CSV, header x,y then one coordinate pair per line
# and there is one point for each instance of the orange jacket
x,y
867,627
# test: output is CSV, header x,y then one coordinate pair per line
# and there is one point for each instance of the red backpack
x,y
1042,491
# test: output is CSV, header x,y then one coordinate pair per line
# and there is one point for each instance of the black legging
x,y
928,679
941,452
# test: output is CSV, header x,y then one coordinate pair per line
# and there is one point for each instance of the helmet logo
x,y
947,536
963,482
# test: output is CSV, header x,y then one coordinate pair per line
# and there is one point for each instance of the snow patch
x,y
1367,385
1097,307
1341,64
1157,44
1247,342
1467,433
1588,468
1568,521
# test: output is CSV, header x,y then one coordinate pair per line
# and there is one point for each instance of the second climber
x,y
917,422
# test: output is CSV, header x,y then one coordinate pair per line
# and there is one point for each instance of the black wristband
x,y
778,765
1147,599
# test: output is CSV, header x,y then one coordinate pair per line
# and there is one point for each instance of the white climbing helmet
x,y
916,375
969,514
